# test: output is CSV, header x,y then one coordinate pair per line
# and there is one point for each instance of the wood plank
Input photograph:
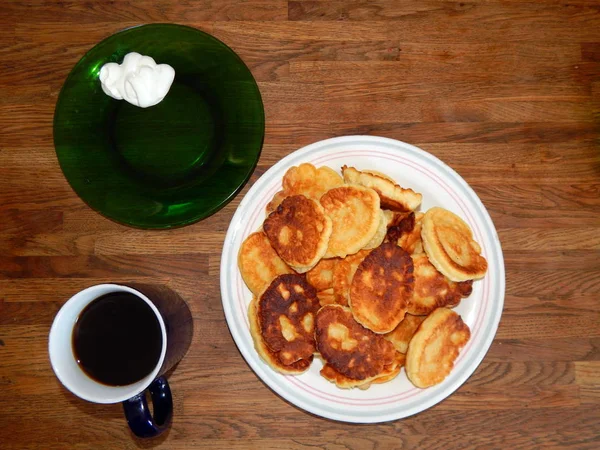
x,y
590,51
352,72
55,289
447,110
536,373
15,221
570,323
561,284
384,10
419,133
517,397
553,348
121,265
146,12
492,25
586,374
550,239
579,303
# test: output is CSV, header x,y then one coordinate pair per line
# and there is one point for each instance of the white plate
x,y
440,186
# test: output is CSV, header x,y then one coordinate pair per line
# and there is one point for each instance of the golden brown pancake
x,y
381,288
321,276
390,217
448,242
299,231
402,224
435,346
392,195
379,174
432,289
286,312
348,347
276,201
342,276
326,297
354,212
259,263
394,217
306,180
341,381
403,333
267,355
389,373
406,232
381,232
411,241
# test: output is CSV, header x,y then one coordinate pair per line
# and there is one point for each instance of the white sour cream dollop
x,y
138,80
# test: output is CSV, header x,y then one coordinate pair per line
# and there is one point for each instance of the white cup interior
x,y
63,359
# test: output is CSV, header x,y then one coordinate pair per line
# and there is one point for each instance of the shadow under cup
x,y
176,326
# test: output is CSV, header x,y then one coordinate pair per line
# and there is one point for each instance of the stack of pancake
x,y
346,269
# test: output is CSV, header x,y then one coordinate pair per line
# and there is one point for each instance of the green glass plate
x,y
171,164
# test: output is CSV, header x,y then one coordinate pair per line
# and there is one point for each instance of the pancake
x,y
354,212
433,290
326,297
411,241
389,373
390,217
381,232
448,242
321,276
403,333
406,233
381,288
306,180
403,223
342,381
379,174
394,217
276,201
259,263
348,347
267,355
342,276
392,195
299,231
435,346
286,312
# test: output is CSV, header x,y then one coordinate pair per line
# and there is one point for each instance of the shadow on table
x,y
110,413
150,443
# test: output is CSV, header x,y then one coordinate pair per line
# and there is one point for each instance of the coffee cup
x,y
111,343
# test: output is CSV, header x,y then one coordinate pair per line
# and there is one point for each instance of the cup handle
x,y
138,415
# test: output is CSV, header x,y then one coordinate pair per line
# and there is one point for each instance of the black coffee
x,y
117,339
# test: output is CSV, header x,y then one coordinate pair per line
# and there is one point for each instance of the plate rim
x,y
205,213
498,296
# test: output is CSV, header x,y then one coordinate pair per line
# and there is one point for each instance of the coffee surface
x,y
117,339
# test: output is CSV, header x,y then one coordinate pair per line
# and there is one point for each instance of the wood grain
x,y
506,92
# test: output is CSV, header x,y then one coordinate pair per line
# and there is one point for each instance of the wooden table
x,y
506,92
